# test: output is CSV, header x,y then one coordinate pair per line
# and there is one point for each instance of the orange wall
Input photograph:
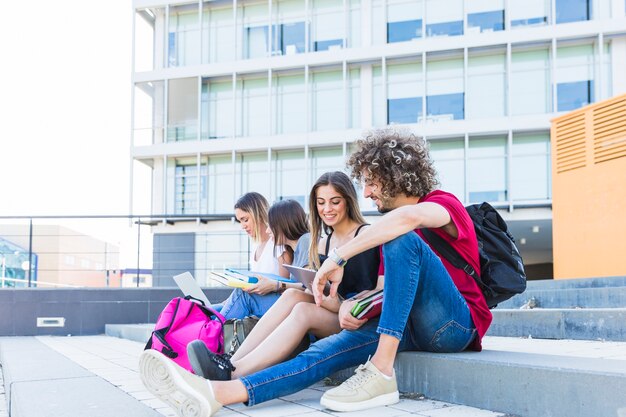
x,y
589,191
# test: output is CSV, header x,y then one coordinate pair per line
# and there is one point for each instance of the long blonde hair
x,y
256,206
342,184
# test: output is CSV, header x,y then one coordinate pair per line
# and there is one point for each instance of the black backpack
x,y
501,269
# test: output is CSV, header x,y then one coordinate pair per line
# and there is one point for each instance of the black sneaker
x,y
209,365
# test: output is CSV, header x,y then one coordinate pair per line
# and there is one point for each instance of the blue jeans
x,y
422,307
240,304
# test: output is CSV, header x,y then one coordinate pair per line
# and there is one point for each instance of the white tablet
x,y
189,286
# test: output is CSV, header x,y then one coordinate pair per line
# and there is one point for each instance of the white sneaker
x,y
188,394
367,388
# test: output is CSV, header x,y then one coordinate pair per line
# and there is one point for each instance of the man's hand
x,y
264,286
346,319
328,272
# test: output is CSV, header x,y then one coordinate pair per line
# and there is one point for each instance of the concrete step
x,y
577,324
619,281
585,297
522,377
134,332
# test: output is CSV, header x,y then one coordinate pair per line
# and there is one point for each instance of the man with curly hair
x,y
429,305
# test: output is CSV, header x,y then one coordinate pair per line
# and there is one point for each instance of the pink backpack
x,y
184,320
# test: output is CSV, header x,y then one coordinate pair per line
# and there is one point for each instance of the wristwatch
x,y
334,256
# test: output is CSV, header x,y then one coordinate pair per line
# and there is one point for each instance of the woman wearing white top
x,y
251,210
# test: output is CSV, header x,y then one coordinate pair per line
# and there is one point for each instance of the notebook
x,y
189,286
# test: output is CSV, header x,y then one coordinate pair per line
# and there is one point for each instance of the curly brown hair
x,y
398,159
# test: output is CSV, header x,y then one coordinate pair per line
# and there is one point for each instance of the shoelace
x,y
361,376
223,361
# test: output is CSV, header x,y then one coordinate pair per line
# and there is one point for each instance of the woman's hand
x,y
263,286
328,272
346,320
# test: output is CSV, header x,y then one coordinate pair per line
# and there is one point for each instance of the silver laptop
x,y
305,276
189,286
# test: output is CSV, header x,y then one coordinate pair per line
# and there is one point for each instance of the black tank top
x,y
361,271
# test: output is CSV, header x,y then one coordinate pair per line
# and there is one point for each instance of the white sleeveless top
x,y
267,262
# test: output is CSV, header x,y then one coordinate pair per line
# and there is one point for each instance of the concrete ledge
x,y
578,324
135,332
523,384
577,283
41,382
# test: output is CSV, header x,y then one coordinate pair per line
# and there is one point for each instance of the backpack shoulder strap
x,y
447,251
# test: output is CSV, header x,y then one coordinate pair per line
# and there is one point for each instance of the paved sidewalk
x,y
115,360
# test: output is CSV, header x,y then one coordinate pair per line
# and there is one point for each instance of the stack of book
x,y
238,278
368,307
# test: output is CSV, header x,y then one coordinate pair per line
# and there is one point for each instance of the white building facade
x,y
237,96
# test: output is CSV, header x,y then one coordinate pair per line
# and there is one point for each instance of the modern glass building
x,y
237,96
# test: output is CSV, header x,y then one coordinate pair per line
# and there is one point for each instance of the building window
x,y
572,11
444,18
486,85
289,170
404,21
288,36
218,120
354,97
485,16
220,183
378,97
529,13
575,80
218,41
486,170
289,104
405,91
530,170
182,109
184,36
252,173
186,186
324,160
354,31
255,27
449,158
444,89
328,25
148,113
328,100
530,82
253,107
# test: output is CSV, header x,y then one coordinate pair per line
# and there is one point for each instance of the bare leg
x,y
271,320
385,354
282,341
229,392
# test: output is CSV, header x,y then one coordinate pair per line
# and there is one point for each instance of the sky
x,y
65,108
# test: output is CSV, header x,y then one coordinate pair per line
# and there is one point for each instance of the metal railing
x,y
120,251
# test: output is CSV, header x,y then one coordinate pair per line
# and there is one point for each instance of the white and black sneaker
x,y
209,365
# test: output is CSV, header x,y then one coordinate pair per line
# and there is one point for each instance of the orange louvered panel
x,y
609,131
570,143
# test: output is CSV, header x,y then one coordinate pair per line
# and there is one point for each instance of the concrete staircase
x,y
564,357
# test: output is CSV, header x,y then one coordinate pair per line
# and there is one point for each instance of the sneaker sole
x,y
385,399
161,378
192,355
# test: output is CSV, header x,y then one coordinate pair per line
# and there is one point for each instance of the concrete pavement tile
x,y
307,397
459,411
414,406
371,412
275,408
